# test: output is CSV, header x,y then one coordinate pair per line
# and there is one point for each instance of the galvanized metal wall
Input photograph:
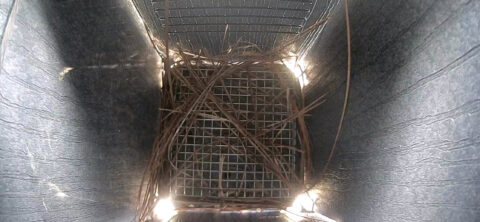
x,y
410,146
73,148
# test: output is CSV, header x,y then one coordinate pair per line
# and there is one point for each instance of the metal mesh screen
x,y
216,24
200,24
214,161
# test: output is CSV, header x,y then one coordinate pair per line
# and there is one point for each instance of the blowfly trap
x,y
231,132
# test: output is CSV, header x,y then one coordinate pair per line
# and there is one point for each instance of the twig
x,y
347,91
201,103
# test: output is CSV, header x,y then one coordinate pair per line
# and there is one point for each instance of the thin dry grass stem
x,y
345,101
176,120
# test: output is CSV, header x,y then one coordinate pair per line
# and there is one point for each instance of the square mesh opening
x,y
213,160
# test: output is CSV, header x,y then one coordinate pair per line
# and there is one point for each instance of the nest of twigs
x,y
177,119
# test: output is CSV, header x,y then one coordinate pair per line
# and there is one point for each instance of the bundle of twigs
x,y
176,119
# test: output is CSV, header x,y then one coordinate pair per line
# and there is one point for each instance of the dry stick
x,y
186,166
220,176
279,132
295,115
150,189
347,91
251,202
257,144
161,148
156,164
205,89
262,110
275,160
221,118
227,92
231,101
244,176
300,35
303,138
305,142
234,110
159,153
224,38
201,97
311,106
273,54
176,110
270,55
149,166
275,98
187,130
167,60
151,186
222,140
193,73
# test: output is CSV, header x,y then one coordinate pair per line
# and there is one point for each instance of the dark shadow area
x,y
114,67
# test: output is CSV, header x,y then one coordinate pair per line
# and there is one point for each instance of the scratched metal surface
x,y
74,149
410,146
5,8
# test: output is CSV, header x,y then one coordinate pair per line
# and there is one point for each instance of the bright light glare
x,y
304,202
138,17
297,67
304,207
164,209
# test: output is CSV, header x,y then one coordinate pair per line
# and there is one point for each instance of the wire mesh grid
x,y
213,160
197,24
